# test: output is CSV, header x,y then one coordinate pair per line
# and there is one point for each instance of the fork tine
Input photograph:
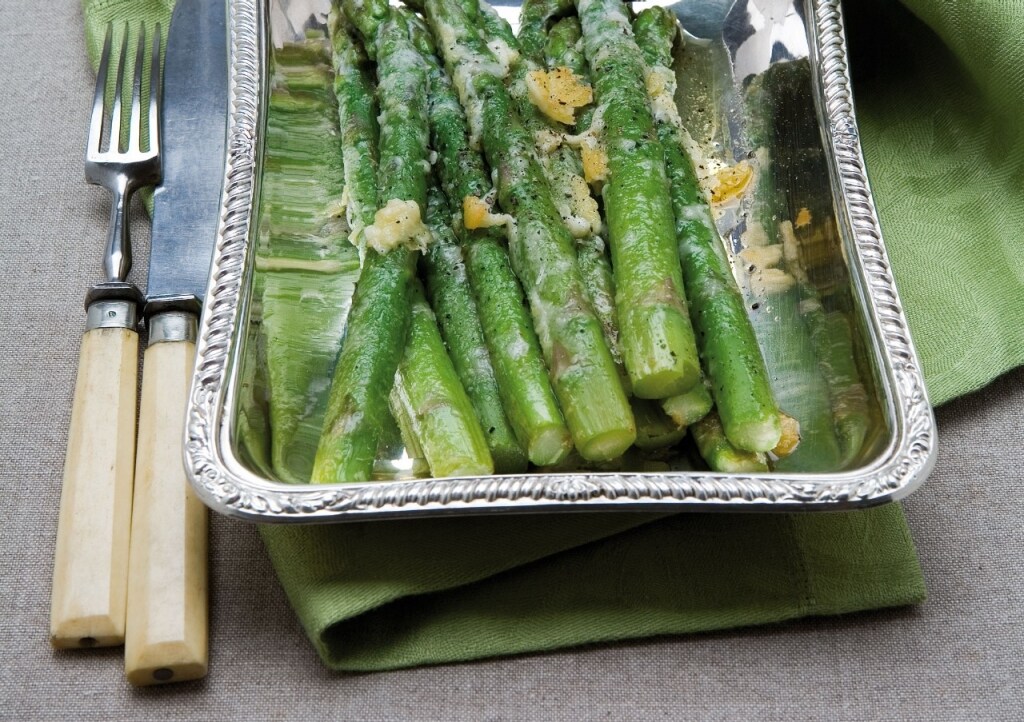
x,y
155,91
135,126
98,101
115,113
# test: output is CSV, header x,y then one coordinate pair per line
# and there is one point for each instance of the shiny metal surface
x,y
186,206
172,326
112,314
760,81
123,169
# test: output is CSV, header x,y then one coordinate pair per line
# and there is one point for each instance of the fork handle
x,y
117,260
91,555
167,624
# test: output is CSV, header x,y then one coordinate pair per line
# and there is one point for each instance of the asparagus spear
x,y
456,309
515,352
439,411
562,49
739,380
378,320
527,85
541,249
657,339
720,454
562,46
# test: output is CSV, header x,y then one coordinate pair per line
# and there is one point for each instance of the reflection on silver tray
x,y
743,40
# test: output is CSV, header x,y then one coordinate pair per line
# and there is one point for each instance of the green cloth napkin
x,y
940,102
938,89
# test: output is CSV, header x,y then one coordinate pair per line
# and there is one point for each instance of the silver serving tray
x,y
743,39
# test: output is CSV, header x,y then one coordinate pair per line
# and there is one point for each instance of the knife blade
x,y
166,632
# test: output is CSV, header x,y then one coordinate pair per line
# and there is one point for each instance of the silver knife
x,y
167,614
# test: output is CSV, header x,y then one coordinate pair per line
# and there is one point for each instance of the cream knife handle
x,y
167,627
90,567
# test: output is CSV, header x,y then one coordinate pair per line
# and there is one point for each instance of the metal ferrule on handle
x,y
111,314
114,304
172,326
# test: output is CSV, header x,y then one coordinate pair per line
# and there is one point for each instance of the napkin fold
x,y
939,88
384,595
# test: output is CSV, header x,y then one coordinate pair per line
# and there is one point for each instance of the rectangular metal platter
x,y
760,81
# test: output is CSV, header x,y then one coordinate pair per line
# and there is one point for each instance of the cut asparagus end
x,y
690,407
790,438
755,434
735,461
607,445
550,445
455,454
719,453
666,383
659,351
435,403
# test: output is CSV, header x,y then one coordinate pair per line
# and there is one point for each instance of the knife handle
x,y
167,625
90,566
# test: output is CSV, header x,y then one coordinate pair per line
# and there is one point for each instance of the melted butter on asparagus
x,y
397,224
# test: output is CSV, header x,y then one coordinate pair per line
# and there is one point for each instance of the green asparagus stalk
x,y
561,164
536,18
657,339
452,300
378,321
515,352
541,249
719,453
562,48
433,401
739,380
305,264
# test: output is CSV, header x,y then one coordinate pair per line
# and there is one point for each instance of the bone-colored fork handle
x,y
91,557
166,636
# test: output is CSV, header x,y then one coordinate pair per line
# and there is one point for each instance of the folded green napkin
x,y
938,96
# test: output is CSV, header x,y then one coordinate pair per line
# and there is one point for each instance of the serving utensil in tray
x,y
764,89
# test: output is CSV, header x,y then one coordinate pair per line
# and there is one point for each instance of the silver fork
x,y
90,572
123,170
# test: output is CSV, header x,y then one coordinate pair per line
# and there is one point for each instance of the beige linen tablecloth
x,y
958,656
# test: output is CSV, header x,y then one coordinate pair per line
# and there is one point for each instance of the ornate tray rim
x,y
221,481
